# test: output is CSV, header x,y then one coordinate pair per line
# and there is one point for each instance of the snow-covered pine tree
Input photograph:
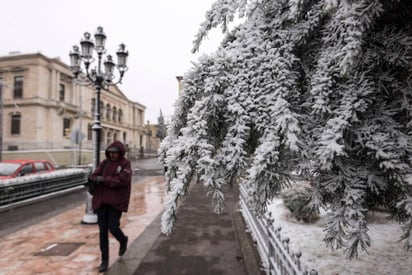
x,y
188,151
318,86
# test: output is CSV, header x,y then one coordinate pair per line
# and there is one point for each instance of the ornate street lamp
x,y
100,78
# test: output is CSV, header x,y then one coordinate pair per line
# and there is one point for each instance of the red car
x,y
22,167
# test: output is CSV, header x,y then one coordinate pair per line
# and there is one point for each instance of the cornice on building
x,y
27,56
65,71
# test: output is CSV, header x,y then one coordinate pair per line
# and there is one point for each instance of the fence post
x,y
286,263
272,247
297,259
269,224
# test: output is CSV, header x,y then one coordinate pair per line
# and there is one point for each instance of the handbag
x,y
90,182
90,185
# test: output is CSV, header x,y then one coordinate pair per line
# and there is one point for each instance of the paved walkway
x,y
61,245
201,243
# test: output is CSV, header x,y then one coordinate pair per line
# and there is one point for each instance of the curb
x,y
251,257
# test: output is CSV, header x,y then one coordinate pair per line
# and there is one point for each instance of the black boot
x,y
123,246
103,266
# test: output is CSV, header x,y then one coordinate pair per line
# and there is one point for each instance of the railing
x,y
13,190
274,251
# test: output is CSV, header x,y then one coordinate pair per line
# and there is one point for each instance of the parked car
x,y
23,167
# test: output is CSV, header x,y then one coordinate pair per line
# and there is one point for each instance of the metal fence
x,y
18,189
274,250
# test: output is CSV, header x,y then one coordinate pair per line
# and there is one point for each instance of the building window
x,y
18,87
140,118
93,107
15,124
89,132
62,89
109,138
66,127
120,115
108,111
114,114
102,110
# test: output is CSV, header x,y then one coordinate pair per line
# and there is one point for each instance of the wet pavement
x,y
201,241
62,245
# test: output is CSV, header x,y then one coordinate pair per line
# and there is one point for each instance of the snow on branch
x,y
341,47
222,13
313,89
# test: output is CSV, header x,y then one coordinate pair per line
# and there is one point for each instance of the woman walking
x,y
111,196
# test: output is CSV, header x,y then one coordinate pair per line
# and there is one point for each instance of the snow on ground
x,y
386,253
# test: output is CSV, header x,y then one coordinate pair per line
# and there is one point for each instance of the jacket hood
x,y
119,145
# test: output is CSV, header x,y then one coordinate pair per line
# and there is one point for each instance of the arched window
x,y
93,107
114,114
120,115
62,91
108,112
89,132
109,138
101,109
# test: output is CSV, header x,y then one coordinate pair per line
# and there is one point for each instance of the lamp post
x,y
99,79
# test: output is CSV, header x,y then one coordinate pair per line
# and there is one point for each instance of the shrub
x,y
297,199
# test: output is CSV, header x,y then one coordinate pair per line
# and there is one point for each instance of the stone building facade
x,y
43,108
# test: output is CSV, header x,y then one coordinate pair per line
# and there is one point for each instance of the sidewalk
x,y
61,245
201,242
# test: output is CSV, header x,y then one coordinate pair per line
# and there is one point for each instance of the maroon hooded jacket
x,y
115,190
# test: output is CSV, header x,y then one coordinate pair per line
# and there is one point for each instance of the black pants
x,y
108,218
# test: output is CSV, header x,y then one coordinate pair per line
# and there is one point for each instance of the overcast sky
x,y
158,35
